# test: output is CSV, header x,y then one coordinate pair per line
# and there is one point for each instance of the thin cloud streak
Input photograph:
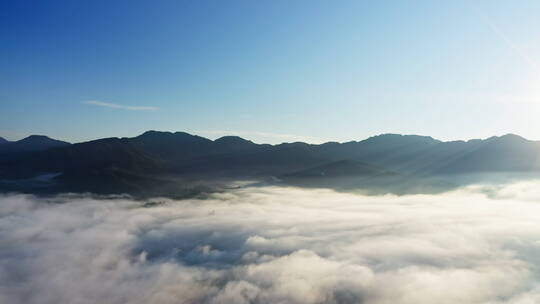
x,y
118,106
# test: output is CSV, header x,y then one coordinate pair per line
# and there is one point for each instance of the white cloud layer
x,y
274,245
118,106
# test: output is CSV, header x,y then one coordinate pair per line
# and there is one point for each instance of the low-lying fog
x,y
274,245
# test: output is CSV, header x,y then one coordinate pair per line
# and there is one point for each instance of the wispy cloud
x,y
118,106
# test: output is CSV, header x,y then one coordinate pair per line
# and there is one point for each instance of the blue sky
x,y
270,71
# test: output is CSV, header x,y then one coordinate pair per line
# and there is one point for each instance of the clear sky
x,y
270,71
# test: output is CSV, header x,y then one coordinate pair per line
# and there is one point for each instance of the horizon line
x,y
232,133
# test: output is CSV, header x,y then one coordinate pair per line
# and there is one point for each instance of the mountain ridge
x,y
156,158
30,143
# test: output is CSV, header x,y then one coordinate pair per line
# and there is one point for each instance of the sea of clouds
x,y
274,245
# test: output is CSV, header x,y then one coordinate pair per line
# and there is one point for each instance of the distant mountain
x,y
348,175
3,141
233,144
393,151
30,144
508,153
340,168
164,162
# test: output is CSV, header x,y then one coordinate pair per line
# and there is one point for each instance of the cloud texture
x,y
118,106
274,245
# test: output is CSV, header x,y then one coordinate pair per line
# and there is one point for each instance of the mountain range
x,y
178,164
30,143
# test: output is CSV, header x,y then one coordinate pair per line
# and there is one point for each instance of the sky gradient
x,y
270,71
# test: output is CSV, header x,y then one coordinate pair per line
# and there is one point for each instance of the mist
x,y
479,244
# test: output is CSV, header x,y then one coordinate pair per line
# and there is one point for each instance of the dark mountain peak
x,y
233,140
330,144
41,139
393,143
507,139
3,141
227,144
512,137
32,143
391,137
153,133
154,136
37,138
296,144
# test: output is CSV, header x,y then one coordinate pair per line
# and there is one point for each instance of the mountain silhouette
x,y
161,163
31,143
